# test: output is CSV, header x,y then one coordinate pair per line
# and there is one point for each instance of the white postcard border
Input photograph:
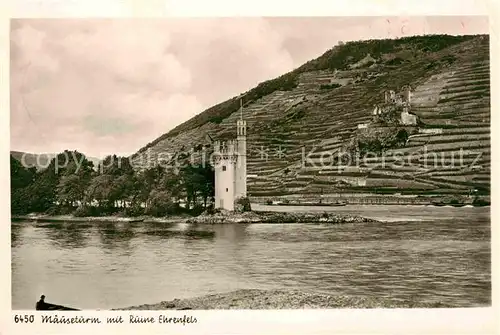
x,y
435,321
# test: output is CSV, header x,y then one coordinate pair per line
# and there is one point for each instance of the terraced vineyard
x,y
296,133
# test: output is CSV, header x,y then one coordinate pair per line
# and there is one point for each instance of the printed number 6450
x,y
24,318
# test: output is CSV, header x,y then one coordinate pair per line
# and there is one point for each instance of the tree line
x,y
111,188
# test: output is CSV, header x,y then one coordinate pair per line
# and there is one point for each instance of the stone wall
x,y
431,131
408,119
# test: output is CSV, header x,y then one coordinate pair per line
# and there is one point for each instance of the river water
x,y
422,253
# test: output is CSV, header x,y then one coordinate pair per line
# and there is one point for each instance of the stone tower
x,y
241,171
407,94
230,165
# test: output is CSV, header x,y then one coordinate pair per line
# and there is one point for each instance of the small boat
x,y
41,305
338,204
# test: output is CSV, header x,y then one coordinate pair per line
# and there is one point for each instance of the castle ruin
x,y
398,100
401,99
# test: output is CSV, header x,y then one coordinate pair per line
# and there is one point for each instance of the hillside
x,y
311,114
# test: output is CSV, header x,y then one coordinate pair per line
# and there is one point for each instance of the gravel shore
x,y
277,217
279,299
222,217
71,218
110,218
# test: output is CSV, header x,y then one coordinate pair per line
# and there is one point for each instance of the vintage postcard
x,y
213,174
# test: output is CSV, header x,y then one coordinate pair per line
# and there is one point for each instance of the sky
x,y
110,86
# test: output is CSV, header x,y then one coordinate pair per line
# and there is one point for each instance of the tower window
x,y
227,190
223,168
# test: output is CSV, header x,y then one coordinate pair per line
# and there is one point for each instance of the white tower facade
x,y
225,162
230,165
241,164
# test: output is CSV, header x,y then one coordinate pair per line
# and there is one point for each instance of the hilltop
x,y
41,161
326,107
29,160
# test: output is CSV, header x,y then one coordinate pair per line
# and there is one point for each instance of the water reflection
x,y
194,234
116,235
188,235
15,233
152,226
67,235
236,233
184,231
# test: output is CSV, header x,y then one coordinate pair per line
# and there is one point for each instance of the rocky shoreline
x,y
281,299
71,218
223,217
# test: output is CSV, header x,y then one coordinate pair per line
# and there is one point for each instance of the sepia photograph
x,y
260,163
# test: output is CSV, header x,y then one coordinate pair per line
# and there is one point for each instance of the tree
x,y
161,203
69,190
41,194
74,180
114,183
20,176
146,181
20,180
115,165
171,182
207,183
100,190
197,181
123,189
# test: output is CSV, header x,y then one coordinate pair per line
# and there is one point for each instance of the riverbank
x,y
71,218
223,217
281,299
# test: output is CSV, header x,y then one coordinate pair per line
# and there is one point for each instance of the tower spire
x,y
241,108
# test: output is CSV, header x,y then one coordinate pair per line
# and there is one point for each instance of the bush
x,y
242,204
449,59
297,115
161,204
211,210
52,211
197,209
66,210
431,65
367,64
395,61
269,202
133,211
329,86
83,211
401,138
60,210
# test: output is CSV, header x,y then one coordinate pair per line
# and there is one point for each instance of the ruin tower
x,y
407,94
230,165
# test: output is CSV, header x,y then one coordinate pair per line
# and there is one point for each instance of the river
x,y
422,253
